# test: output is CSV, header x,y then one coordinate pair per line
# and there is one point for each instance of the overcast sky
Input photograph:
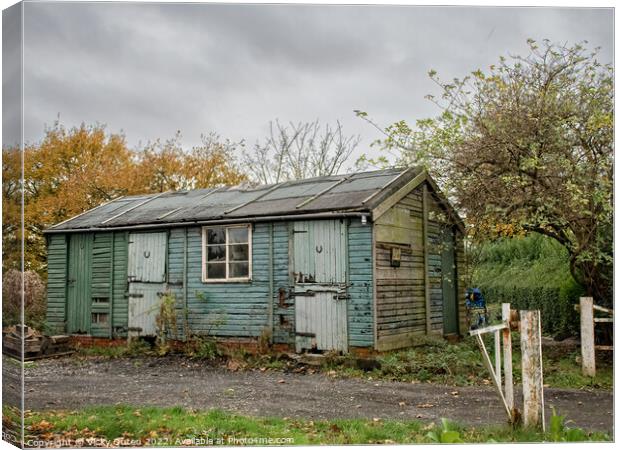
x,y
152,69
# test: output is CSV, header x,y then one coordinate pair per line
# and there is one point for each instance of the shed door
x,y
78,283
147,257
448,284
146,272
320,272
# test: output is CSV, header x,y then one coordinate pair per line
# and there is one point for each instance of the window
x,y
99,318
227,253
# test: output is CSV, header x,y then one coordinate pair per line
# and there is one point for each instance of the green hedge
x,y
531,272
557,313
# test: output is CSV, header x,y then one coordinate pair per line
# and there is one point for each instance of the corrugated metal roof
x,y
336,193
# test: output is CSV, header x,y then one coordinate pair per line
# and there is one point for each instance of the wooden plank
x,y
507,343
498,356
427,293
600,308
586,312
531,366
489,329
604,347
489,366
604,319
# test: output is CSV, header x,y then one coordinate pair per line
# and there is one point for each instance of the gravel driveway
x,y
69,383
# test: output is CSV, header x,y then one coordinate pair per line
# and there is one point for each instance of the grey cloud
x,y
151,69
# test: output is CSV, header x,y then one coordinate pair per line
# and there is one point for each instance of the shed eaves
x,y
336,193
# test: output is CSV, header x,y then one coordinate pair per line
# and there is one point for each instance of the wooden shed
x,y
366,260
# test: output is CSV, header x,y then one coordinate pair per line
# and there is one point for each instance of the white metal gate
x,y
146,273
320,271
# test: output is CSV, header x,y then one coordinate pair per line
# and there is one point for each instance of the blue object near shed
x,y
337,263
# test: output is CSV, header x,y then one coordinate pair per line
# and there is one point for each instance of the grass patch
x,y
176,426
437,361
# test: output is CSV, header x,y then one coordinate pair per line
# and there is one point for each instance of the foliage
x,y
34,299
559,432
175,426
134,348
70,171
166,322
527,147
73,170
446,435
166,166
202,347
531,272
297,151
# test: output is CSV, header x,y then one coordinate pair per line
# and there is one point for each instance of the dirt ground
x,y
68,383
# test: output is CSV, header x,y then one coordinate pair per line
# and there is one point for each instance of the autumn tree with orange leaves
x,y
73,170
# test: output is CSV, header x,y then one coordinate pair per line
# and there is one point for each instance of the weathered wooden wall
x,y
401,302
108,282
220,309
56,281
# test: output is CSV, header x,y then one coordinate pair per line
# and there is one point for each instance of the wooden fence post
x,y
531,366
507,344
586,313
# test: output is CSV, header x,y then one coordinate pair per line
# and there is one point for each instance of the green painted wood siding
x,y
56,282
101,281
176,279
241,309
119,291
221,309
283,316
360,308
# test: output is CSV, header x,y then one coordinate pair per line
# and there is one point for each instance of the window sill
x,y
234,281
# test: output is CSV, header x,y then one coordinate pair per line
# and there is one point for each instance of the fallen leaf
x,y
402,404
281,381
424,405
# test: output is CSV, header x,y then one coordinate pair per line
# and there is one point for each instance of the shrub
x,y
202,347
531,272
35,302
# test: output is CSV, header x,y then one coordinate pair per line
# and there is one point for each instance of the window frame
x,y
228,279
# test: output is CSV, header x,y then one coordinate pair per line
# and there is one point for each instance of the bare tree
x,y
298,151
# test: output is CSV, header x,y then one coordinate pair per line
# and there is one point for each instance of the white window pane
x,y
238,235
216,253
216,271
216,235
238,252
238,270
